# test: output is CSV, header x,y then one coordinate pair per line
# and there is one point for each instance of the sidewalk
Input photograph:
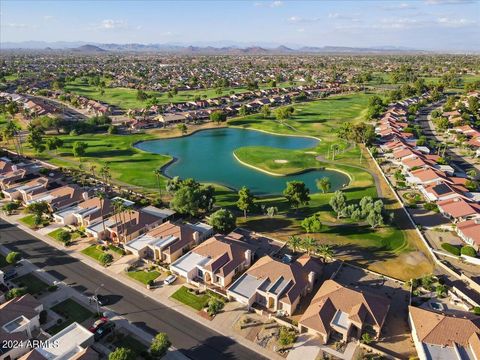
x,y
66,292
222,323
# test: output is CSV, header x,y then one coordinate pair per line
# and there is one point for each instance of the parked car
x,y
101,299
9,274
100,322
170,279
103,331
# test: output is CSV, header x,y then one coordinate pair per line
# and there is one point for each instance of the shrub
x,y
122,354
287,336
150,282
64,237
469,251
451,249
366,338
476,310
13,257
105,259
52,288
431,207
15,292
214,306
160,345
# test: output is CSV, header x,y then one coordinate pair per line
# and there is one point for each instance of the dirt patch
x,y
280,161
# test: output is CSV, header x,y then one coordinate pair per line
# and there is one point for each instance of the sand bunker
x,y
280,161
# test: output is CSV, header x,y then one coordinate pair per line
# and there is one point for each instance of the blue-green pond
x,y
207,156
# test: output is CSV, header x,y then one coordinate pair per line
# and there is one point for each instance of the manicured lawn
x,y
72,312
29,220
195,301
54,234
93,252
33,284
131,343
144,276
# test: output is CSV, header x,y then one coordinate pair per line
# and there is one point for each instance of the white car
x,y
170,279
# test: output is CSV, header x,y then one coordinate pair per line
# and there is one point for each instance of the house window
x,y
200,273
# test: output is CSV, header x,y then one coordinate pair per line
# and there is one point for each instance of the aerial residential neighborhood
x,y
245,180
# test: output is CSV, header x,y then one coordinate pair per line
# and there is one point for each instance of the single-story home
x,y
336,308
168,241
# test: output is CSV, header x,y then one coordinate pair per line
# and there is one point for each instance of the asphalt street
x,y
190,337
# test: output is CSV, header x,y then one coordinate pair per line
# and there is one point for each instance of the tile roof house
x,y
128,224
168,241
215,261
458,209
25,190
336,308
426,176
439,336
12,177
60,197
443,191
19,320
84,213
276,285
469,231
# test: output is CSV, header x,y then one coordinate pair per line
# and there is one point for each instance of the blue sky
x,y
421,24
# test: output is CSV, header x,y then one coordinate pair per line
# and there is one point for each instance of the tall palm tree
x,y
325,251
158,173
294,242
309,244
101,195
117,205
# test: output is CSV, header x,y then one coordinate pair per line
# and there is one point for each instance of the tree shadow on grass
x,y
268,224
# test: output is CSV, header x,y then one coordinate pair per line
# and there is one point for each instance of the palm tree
x,y
309,244
101,196
323,184
117,205
92,169
294,242
158,173
325,251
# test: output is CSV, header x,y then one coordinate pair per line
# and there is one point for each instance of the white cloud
x,y
449,2
20,26
48,17
298,19
445,21
270,4
109,24
301,30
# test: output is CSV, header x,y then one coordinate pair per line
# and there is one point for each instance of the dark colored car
x,y
103,331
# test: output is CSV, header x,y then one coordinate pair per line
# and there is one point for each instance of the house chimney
x,y
248,257
85,195
196,237
311,279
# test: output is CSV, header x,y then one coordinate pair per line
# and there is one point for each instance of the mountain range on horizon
x,y
228,48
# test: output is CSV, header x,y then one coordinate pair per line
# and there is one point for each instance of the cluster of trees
x,y
310,245
375,107
189,197
218,116
38,209
366,209
361,133
284,113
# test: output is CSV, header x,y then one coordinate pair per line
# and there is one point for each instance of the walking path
x,y
222,323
